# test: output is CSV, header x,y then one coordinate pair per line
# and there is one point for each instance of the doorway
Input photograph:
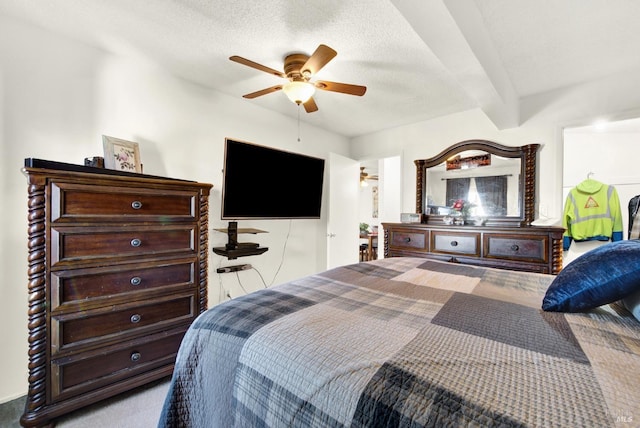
x,y
378,200
342,220
607,153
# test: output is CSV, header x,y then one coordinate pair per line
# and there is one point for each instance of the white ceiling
x,y
418,59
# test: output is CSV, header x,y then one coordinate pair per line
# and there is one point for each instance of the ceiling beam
x,y
453,30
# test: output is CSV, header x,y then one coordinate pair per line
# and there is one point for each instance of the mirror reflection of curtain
x,y
457,188
493,194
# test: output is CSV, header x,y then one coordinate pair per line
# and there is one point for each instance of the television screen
x,y
265,183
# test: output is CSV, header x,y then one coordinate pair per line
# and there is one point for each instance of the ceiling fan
x,y
299,69
365,176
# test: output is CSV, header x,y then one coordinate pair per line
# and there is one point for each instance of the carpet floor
x,y
139,408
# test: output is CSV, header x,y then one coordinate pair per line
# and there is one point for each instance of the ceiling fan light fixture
x,y
298,69
299,92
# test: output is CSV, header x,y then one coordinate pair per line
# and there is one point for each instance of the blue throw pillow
x,y
603,275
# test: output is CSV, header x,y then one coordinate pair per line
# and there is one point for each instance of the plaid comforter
x,y
405,342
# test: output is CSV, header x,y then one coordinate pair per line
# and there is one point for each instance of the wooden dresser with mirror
x,y
500,182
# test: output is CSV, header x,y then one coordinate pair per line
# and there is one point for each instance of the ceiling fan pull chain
x,y
298,123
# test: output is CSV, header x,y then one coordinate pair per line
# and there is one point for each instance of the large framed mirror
x,y
497,181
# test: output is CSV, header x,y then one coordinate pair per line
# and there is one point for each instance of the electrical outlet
x,y
234,268
543,210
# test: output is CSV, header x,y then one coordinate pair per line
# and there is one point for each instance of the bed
x,y
406,342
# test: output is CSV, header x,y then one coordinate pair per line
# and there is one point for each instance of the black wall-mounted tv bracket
x,y
232,242
234,249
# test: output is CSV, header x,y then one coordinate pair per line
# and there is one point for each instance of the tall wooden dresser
x,y
117,272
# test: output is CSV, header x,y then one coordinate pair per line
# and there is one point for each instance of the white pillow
x,y
632,303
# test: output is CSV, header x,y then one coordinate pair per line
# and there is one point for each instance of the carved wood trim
x,y
386,243
41,407
420,171
204,251
528,157
556,252
530,161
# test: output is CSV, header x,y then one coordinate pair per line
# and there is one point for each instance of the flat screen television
x,y
266,183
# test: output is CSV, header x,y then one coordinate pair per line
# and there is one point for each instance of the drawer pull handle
x,y
135,318
454,243
136,280
135,356
136,242
407,239
136,205
514,247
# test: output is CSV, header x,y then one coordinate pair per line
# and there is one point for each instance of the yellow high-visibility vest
x,y
592,212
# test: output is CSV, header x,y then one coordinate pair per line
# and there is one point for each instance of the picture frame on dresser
x,y
121,155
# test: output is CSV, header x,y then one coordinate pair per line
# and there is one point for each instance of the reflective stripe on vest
x,y
576,212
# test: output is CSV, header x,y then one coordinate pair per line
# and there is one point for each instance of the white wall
x,y
58,96
426,139
389,194
543,119
390,175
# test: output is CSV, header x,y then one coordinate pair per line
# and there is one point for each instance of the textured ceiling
x,y
418,59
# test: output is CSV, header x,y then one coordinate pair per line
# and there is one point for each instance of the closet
x,y
592,212
606,153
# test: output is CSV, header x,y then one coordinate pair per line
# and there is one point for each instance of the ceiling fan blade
x,y
263,92
310,106
344,88
257,66
322,55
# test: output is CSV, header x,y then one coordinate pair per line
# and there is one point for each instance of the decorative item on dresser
x,y
499,233
117,273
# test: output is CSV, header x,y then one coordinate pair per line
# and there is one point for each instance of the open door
x,y
342,224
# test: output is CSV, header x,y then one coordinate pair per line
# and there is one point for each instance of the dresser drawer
x,y
531,248
455,243
517,247
83,288
82,202
75,243
408,239
96,326
117,273
84,372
